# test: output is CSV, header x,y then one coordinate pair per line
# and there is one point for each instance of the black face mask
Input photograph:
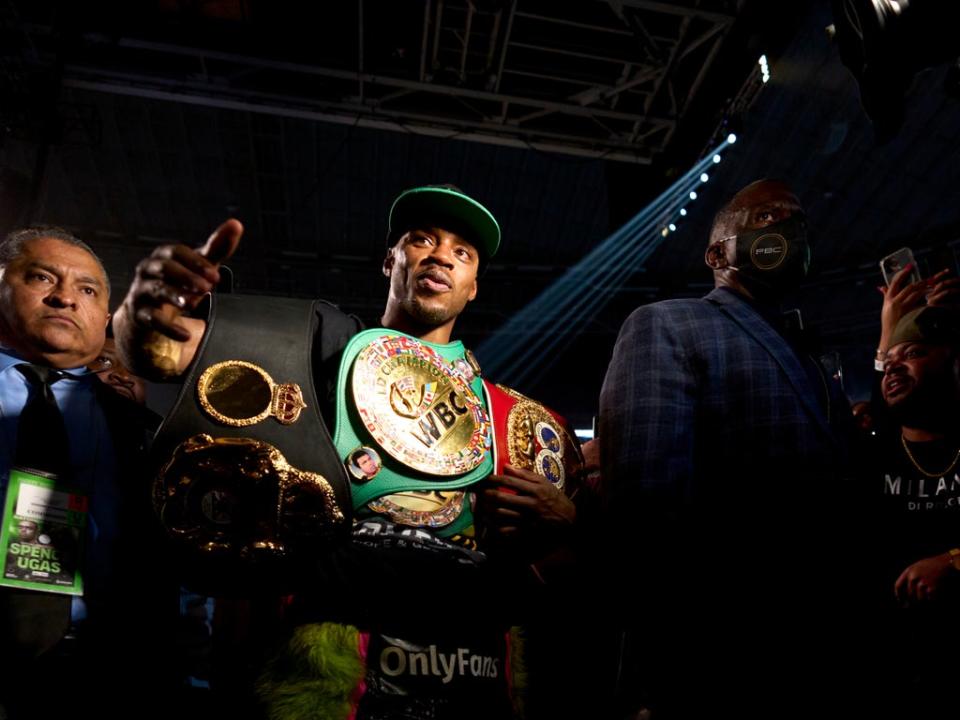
x,y
777,256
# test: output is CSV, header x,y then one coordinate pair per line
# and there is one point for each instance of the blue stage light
x,y
704,177
527,344
716,159
673,228
731,138
693,194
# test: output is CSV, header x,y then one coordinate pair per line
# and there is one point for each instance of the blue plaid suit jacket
x,y
726,513
705,403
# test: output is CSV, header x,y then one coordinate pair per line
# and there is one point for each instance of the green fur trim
x,y
314,675
518,672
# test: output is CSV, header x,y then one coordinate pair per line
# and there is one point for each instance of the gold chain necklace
x,y
903,441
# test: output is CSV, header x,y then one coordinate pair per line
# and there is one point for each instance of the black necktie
x,y
41,434
31,623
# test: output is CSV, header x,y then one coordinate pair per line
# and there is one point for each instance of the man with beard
x,y
718,434
420,614
913,481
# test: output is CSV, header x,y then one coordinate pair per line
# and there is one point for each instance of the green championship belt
x,y
411,418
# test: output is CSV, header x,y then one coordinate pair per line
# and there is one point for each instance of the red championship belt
x,y
531,436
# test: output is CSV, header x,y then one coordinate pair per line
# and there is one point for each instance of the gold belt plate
x,y
238,393
536,441
421,509
418,408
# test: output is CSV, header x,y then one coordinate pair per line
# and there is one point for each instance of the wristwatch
x,y
880,360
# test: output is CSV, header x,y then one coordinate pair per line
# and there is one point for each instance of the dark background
x,y
141,123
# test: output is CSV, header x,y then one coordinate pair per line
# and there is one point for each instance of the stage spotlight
x,y
716,159
693,194
764,68
552,319
704,177
731,138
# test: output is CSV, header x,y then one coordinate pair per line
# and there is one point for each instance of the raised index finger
x,y
190,259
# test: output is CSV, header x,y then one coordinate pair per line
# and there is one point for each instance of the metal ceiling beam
x,y
380,101
640,78
529,116
489,133
718,28
673,9
350,90
553,78
506,44
359,93
423,44
658,84
438,21
624,76
360,49
370,79
650,45
128,84
494,36
573,23
466,40
575,53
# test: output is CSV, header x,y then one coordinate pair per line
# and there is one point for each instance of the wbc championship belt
x,y
531,436
412,429
245,472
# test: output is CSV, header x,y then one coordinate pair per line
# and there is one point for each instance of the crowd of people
x,y
349,520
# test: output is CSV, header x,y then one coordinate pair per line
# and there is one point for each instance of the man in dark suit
x,y
62,429
719,454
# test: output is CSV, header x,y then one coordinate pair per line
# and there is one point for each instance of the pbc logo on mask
x,y
768,251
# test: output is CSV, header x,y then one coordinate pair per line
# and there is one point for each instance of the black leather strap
x,y
278,335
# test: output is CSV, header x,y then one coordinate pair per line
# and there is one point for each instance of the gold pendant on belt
x,y
238,393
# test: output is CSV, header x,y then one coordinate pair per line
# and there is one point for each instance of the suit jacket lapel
x,y
754,324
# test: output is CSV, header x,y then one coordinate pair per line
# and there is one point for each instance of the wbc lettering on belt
x,y
418,408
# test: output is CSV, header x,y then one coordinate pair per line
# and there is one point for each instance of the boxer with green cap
x,y
414,428
449,207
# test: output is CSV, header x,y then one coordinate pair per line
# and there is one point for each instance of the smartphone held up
x,y
897,261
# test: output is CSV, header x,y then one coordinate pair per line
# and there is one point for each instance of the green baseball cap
x,y
448,207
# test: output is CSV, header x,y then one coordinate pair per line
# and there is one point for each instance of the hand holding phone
x,y
943,289
897,261
903,292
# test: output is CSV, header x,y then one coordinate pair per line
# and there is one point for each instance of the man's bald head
x,y
759,205
733,217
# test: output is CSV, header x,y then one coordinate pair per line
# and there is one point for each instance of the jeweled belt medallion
x,y
418,408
